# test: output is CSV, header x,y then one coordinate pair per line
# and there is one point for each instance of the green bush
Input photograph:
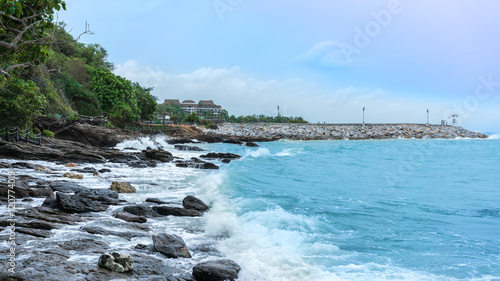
x,y
48,133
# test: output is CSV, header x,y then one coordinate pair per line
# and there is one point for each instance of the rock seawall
x,y
342,131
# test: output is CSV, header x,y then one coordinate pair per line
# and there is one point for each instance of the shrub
x,y
48,133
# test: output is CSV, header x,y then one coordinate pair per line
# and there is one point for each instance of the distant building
x,y
202,108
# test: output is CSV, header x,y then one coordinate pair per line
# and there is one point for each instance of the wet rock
x,y
156,201
105,232
140,210
73,176
214,155
70,165
48,215
78,204
102,171
251,144
34,232
176,211
188,148
191,202
116,262
83,245
122,187
159,155
233,141
130,217
171,246
24,165
218,270
88,170
105,196
66,187
81,156
196,163
41,192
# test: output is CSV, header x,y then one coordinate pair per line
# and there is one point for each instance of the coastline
x,y
37,224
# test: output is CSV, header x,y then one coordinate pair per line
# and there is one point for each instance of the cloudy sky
x,y
322,60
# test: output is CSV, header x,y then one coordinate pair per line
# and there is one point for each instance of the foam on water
x,y
494,137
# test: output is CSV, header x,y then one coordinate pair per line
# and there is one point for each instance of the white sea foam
x,y
494,137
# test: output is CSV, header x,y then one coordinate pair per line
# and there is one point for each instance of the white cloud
x,y
241,94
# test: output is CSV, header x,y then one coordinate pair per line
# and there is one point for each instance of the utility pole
x,y
427,116
363,115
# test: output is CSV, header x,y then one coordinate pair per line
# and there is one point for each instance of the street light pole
x,y
363,115
427,116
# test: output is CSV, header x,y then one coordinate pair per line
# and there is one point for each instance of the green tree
x,y
192,118
20,101
116,94
145,101
24,32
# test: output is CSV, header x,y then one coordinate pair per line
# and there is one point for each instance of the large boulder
x,y
122,187
140,210
78,204
171,246
116,262
193,203
159,155
105,196
218,270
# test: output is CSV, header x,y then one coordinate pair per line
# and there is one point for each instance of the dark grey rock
x,y
106,232
176,211
88,170
159,155
191,202
218,270
171,246
188,148
130,217
214,155
102,171
78,204
155,200
196,163
140,210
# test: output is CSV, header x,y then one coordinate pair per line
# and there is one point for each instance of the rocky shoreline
x,y
55,201
340,131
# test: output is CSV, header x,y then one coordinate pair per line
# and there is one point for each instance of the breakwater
x,y
342,131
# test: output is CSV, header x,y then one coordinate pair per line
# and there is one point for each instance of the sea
x,y
406,209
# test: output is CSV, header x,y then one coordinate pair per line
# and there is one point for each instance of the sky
x,y
322,60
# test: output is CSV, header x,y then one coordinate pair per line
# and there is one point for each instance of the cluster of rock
x,y
68,204
341,131
69,151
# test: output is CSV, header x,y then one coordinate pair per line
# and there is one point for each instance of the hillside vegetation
x,y
45,71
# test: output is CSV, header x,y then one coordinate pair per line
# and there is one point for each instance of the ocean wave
x,y
264,152
494,137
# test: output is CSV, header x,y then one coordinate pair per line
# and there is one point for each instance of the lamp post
x,y
363,115
427,116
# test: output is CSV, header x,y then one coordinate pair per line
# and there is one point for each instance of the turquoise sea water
x,y
361,210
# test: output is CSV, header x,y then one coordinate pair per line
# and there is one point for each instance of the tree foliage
x,y
25,28
20,101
